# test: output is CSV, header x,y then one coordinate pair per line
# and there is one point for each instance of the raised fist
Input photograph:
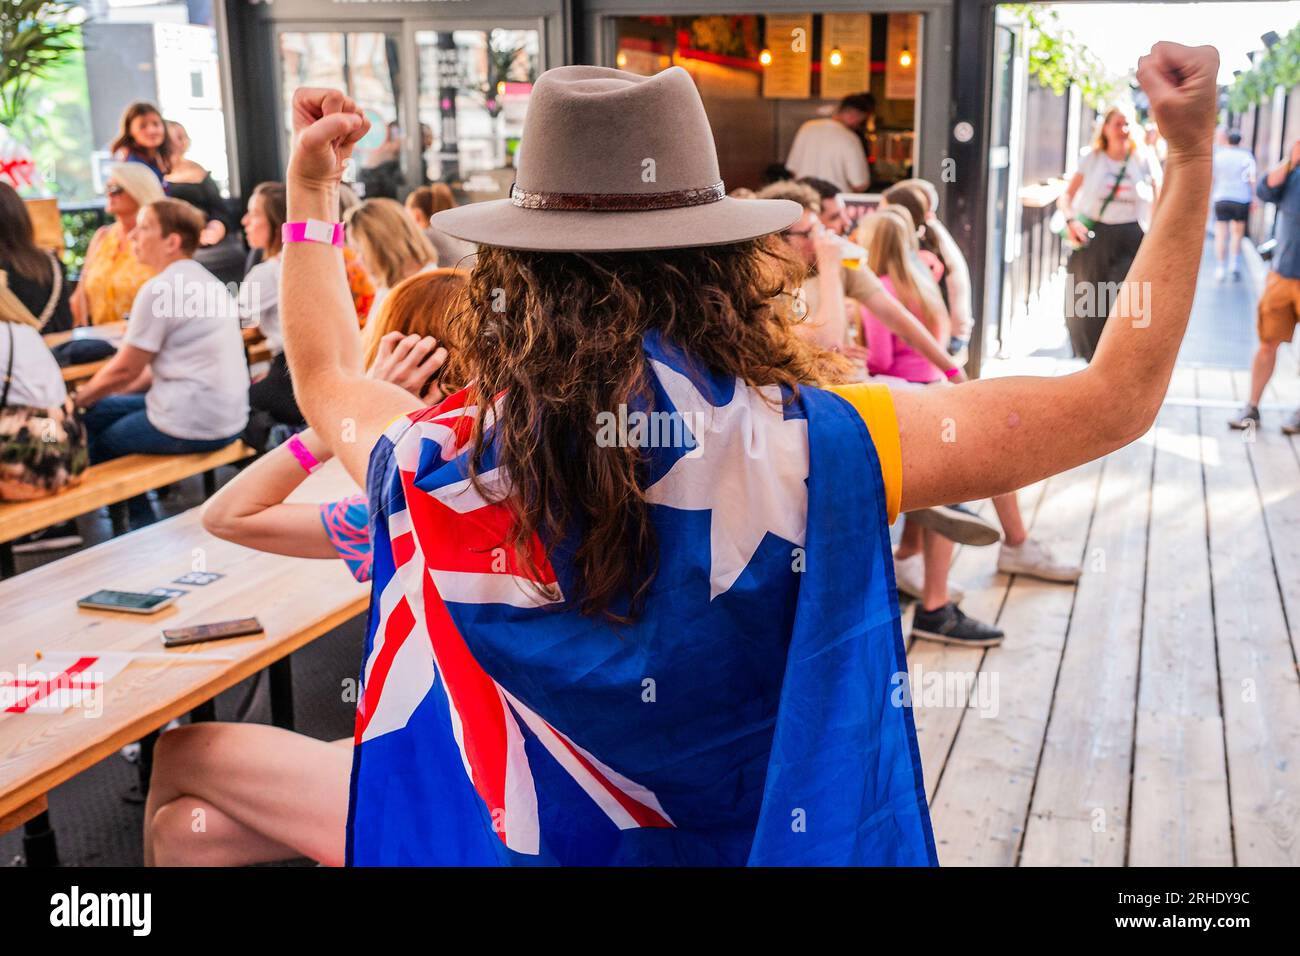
x,y
326,126
1181,84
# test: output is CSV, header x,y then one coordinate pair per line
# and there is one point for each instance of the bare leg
x,y
1013,523
1238,230
938,559
1220,241
910,543
272,791
1261,370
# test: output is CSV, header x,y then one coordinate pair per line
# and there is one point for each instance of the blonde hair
x,y
388,240
889,236
1099,143
139,182
803,194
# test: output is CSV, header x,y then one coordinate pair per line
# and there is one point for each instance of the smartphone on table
x,y
132,602
198,633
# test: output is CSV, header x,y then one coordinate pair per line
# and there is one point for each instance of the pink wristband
x,y
952,373
305,458
313,230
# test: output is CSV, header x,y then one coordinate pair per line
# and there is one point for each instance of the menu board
x,y
789,39
900,77
850,33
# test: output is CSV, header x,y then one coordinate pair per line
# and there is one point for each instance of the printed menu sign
x,y
901,57
850,33
789,39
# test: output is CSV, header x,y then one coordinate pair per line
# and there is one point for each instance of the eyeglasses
x,y
113,189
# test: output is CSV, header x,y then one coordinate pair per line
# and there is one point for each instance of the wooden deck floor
x,y
1150,715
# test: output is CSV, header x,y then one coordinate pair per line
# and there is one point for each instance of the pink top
x,y
890,355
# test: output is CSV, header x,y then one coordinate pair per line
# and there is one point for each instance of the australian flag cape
x,y
751,715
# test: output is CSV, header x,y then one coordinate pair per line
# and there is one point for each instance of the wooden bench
x,y
111,484
296,600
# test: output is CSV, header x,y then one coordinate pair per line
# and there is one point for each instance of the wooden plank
x,y
76,374
983,798
109,483
1258,681
938,719
1080,802
1180,810
28,811
295,599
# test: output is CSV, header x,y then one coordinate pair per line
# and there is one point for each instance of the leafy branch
x,y
1058,59
1279,66
35,37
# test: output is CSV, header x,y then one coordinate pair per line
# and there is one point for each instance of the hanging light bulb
x,y
621,59
905,57
501,88
765,57
836,58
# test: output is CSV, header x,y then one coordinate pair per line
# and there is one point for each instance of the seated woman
x,y
271,794
388,245
1019,553
923,557
42,440
189,181
530,578
259,304
179,383
36,276
142,139
426,201
112,275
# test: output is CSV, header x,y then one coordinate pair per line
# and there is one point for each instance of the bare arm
x,y
909,328
79,304
990,437
1278,174
121,371
250,510
826,327
321,340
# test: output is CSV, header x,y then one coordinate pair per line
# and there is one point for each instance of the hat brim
x,y
501,223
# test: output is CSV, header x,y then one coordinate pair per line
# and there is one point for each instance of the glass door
x,y
366,64
471,91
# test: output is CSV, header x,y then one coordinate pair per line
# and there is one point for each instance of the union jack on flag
x,y
745,717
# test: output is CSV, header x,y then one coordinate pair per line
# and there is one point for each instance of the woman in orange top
x,y
111,275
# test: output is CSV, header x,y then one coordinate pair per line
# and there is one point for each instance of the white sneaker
x,y
1036,560
1219,273
909,577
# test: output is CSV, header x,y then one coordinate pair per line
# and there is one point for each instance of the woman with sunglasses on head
x,y
588,648
111,274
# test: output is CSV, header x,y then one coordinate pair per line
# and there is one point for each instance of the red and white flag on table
x,y
57,683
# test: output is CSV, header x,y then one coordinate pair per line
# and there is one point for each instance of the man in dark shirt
x,y
1279,306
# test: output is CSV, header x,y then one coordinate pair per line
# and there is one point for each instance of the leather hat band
x,y
616,202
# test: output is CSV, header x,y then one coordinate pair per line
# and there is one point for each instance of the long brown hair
x,y
560,334
125,144
425,304
275,209
431,199
18,247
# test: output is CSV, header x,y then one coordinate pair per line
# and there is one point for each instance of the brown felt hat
x,y
613,161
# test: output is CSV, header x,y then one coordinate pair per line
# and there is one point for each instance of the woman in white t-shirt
x,y
1231,196
42,439
1107,209
179,383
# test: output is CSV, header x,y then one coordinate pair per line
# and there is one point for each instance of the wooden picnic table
x,y
295,599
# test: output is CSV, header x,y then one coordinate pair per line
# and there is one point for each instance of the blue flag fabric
x,y
747,717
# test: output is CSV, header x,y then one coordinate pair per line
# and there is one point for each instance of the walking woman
x,y
1107,209
590,645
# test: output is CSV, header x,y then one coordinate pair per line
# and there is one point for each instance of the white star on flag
x,y
750,474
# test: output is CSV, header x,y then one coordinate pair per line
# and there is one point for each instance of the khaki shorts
x,y
1279,309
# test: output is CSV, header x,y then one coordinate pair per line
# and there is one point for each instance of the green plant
x,y
1279,66
35,37
1058,60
